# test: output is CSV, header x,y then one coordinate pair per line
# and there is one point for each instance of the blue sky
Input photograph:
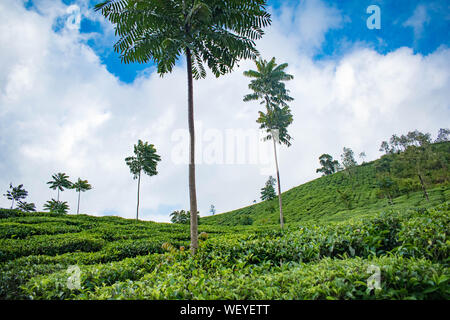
x,y
432,24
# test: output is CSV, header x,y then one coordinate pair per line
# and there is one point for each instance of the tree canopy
x,y
217,33
329,166
268,191
15,194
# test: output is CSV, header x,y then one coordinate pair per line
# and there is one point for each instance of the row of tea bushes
x,y
413,234
130,260
48,245
14,230
400,278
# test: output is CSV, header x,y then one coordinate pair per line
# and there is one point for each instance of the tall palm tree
x,y
275,121
144,159
16,194
268,87
60,182
81,186
217,33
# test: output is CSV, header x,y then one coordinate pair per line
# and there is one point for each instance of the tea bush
x,y
126,259
48,245
400,278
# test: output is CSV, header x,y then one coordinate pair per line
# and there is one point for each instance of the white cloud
x,y
61,110
418,20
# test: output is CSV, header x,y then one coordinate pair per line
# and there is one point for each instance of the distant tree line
x,y
408,164
59,182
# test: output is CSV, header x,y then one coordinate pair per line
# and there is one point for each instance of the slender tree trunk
x,y
279,185
139,186
78,207
423,187
192,191
57,199
12,204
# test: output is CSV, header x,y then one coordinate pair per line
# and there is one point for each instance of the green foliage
x,y
326,251
417,158
426,234
388,188
125,259
181,216
275,122
60,182
338,196
47,244
268,86
217,34
15,193
60,207
145,159
442,135
81,185
329,166
268,192
25,206
327,279
348,159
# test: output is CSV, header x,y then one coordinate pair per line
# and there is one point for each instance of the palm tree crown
x,y
268,83
60,182
275,121
145,159
217,33
81,185
15,193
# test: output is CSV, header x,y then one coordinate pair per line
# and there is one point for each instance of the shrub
x,y
328,279
48,245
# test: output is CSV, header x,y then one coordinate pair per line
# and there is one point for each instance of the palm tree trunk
x,y
78,207
192,191
58,196
279,185
139,186
12,204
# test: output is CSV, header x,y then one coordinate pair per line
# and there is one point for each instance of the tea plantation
x,y
125,259
321,199
330,249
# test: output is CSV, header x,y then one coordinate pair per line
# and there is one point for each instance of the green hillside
x,y
326,251
321,199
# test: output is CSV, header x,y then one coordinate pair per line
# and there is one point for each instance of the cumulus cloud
x,y
62,111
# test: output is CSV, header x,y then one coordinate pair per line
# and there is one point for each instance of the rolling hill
x,y
321,199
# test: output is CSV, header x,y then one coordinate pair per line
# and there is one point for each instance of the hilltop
x,y
343,195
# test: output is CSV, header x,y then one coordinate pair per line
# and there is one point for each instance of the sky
x,y
67,103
